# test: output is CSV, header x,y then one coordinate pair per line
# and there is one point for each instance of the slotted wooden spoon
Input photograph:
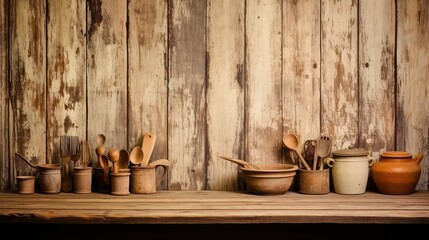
x,y
324,149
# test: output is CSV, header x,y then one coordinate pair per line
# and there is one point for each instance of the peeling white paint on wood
x,y
301,69
107,73
376,75
147,74
263,82
66,73
339,83
28,79
225,93
186,99
413,84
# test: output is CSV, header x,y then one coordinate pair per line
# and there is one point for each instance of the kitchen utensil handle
x,y
418,158
329,161
322,164
28,162
164,174
303,161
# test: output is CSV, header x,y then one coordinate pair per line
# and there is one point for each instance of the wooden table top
x,y
214,207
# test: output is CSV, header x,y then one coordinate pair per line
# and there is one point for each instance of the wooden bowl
x,y
271,179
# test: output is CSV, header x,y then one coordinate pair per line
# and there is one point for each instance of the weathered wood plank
x,y
107,72
339,85
186,95
4,97
28,81
412,132
66,73
301,69
225,92
263,97
147,73
377,75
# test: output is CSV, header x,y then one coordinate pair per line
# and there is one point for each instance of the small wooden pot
x,y
313,182
120,183
25,184
82,179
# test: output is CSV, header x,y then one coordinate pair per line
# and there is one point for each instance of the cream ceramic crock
x,y
350,170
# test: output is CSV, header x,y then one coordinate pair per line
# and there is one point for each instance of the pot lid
x,y
396,154
353,152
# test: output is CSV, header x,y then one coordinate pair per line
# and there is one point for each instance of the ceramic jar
x,y
397,172
350,170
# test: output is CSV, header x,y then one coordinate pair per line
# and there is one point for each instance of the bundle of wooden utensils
x,y
128,172
315,151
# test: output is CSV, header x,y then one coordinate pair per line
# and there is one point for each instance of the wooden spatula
x,y
148,146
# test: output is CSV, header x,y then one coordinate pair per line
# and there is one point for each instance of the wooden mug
x,y
144,179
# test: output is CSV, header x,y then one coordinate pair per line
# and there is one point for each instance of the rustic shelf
x,y
200,207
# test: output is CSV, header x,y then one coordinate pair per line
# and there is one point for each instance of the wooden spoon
x,y
291,141
113,156
124,160
100,151
101,139
148,146
241,162
136,155
85,157
324,149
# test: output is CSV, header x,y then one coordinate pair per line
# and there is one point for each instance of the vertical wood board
x,y
225,92
4,97
339,83
28,79
412,132
377,75
66,73
107,72
301,69
263,100
147,74
186,94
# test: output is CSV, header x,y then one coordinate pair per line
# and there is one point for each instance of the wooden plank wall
x,y
210,78
4,97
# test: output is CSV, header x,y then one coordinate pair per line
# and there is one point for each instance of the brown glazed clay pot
x,y
397,172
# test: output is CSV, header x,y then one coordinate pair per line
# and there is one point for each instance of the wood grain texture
x,y
263,97
225,92
201,207
66,73
301,69
4,97
147,74
339,85
28,81
107,72
412,132
186,94
377,75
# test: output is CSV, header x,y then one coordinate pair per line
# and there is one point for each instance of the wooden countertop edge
x,y
156,213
